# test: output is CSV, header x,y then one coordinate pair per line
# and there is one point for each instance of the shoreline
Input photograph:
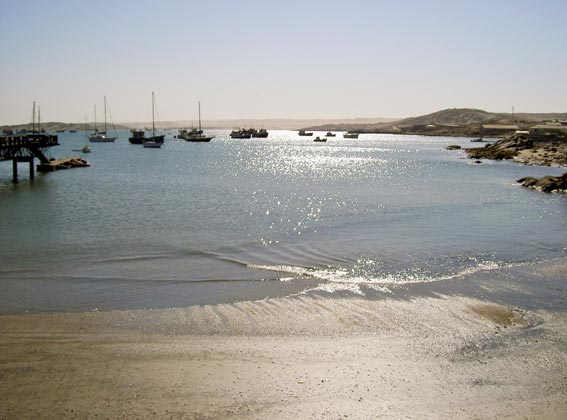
x,y
523,150
434,357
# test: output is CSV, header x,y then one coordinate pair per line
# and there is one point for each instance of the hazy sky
x,y
287,59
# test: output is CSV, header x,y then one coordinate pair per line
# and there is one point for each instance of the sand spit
x,y
300,358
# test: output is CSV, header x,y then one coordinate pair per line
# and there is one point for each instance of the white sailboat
x,y
101,136
86,148
153,142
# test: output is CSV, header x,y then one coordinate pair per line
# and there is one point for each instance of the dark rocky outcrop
x,y
453,147
502,149
546,184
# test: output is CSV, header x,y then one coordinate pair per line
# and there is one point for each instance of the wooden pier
x,y
25,148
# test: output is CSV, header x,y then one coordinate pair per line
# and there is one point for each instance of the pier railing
x,y
24,148
26,145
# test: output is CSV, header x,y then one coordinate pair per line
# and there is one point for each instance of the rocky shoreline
x,y
523,150
528,151
546,184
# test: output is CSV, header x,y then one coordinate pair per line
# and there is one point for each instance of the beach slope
x,y
302,358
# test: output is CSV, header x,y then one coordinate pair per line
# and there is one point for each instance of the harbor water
x,y
234,220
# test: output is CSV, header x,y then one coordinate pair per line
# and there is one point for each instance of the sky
x,y
287,59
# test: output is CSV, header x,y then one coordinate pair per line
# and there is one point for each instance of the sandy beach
x,y
301,358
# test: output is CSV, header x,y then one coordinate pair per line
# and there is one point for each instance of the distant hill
x,y
456,121
57,126
270,124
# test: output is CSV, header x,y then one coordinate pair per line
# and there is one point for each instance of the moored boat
x,y
195,135
101,136
240,134
261,133
137,136
153,142
329,134
350,135
304,133
319,139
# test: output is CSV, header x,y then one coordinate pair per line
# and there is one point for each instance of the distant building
x,y
549,132
498,129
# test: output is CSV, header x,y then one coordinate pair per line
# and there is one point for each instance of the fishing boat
x,y
240,134
350,135
319,139
137,136
153,142
304,133
101,136
195,135
262,133
329,134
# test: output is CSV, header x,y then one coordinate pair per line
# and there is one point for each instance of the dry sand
x,y
295,358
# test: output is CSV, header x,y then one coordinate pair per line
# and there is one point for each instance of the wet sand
x,y
300,358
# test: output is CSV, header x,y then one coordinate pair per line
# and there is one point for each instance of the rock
x,y
546,184
453,147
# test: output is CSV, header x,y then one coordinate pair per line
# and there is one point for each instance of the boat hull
x,y
201,139
142,140
102,139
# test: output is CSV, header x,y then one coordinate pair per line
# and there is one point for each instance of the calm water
x,y
248,219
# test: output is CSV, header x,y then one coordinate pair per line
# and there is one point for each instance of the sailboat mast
x,y
33,118
95,130
105,114
153,122
38,119
199,116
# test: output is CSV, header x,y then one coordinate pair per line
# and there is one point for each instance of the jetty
x,y
25,148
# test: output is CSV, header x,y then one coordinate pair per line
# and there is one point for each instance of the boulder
x,y
546,184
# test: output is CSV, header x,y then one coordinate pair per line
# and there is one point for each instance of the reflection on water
x,y
202,223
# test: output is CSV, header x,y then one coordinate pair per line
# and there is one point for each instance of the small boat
x,y
479,140
350,135
153,142
320,139
240,134
86,148
137,136
150,144
101,136
304,133
195,135
329,134
73,131
262,133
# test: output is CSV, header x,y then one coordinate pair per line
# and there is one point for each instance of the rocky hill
x,y
451,122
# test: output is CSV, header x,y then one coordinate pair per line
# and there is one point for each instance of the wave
x,y
336,279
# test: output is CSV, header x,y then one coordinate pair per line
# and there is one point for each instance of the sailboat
x,y
195,135
154,141
86,148
100,136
